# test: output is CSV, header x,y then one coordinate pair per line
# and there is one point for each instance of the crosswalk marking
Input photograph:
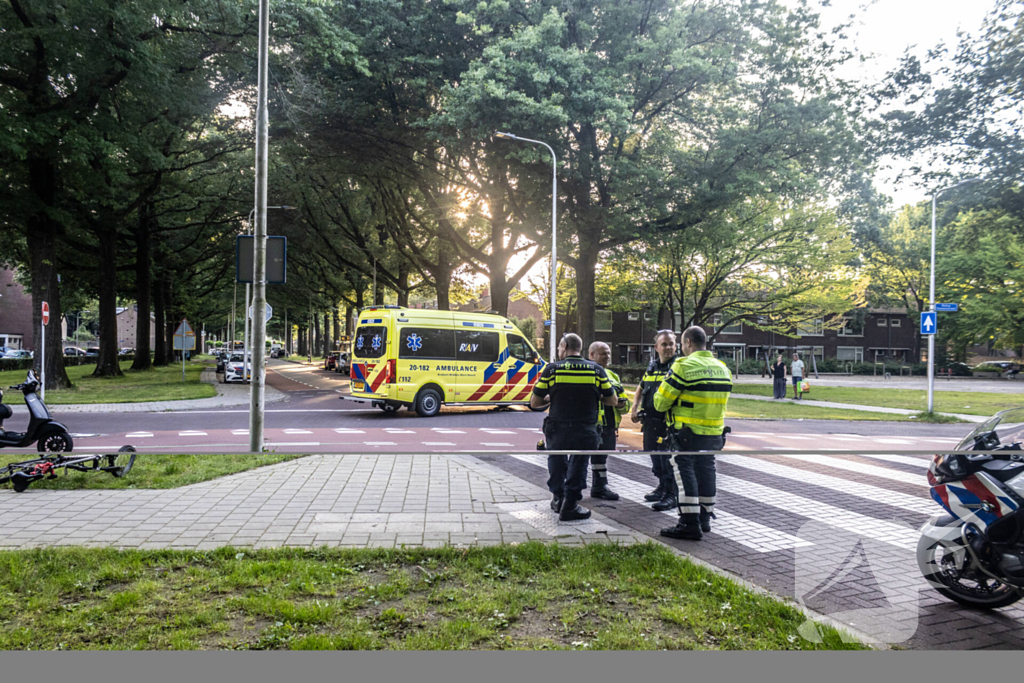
x,y
902,459
379,443
880,530
904,501
240,432
395,430
752,535
344,430
485,443
860,468
441,430
438,443
497,431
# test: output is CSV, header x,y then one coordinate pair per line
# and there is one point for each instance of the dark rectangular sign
x,y
277,259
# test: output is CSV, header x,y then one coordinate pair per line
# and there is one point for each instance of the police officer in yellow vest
x,y
574,388
607,425
694,396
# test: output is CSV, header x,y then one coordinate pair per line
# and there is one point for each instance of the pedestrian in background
x,y
779,378
797,370
608,424
654,428
574,388
694,396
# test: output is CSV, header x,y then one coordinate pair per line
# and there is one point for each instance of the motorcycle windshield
x,y
1007,425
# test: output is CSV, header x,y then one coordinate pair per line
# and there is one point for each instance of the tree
x,y
661,114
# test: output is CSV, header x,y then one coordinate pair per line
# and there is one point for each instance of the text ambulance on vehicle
x,y
423,359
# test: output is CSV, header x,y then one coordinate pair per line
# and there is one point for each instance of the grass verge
x,y
531,596
155,384
751,408
964,402
161,471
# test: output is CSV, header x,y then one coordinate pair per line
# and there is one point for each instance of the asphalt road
x,y
313,419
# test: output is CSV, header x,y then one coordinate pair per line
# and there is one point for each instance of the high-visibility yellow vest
x,y
619,393
695,393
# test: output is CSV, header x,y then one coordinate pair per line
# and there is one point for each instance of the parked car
x,y
126,352
18,354
955,369
331,362
1004,368
344,363
92,351
233,369
277,353
73,351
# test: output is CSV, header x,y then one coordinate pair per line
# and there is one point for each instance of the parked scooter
x,y
49,436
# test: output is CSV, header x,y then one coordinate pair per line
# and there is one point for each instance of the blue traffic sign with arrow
x,y
928,322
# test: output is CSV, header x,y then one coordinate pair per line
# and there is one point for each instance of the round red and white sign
x,y
46,313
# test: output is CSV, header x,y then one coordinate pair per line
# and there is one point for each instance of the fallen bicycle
x,y
22,474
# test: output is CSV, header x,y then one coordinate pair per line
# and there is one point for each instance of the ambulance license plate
x,y
358,386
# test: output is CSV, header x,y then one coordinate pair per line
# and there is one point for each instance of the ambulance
x,y
423,359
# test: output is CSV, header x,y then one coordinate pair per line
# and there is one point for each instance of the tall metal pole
x,y
259,303
931,296
234,301
554,236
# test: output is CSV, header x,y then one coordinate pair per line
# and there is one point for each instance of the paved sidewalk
x,y
357,501
852,406
227,395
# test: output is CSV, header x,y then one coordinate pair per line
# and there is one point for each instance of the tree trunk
x,y
328,339
302,340
403,284
335,324
143,287
160,342
500,288
585,288
107,364
316,335
42,250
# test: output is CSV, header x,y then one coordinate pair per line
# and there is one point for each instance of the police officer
x,y
694,396
654,427
574,387
608,424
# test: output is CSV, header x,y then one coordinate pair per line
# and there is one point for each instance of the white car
x,y
233,369
19,354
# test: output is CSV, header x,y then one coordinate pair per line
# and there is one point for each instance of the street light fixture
x,y
554,226
931,294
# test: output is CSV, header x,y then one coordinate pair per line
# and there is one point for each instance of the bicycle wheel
x,y
120,463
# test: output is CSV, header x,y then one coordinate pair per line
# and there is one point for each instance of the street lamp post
x,y
554,226
931,294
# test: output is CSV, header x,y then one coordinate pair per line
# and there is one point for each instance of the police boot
x,y
688,529
705,520
600,488
571,511
668,502
556,503
655,495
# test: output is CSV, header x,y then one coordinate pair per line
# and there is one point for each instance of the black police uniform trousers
x,y
599,461
653,431
567,474
694,473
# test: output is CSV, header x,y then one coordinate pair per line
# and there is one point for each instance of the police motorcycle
x,y
48,435
973,552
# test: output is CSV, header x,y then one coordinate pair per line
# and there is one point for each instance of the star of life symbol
x,y
375,342
359,342
414,341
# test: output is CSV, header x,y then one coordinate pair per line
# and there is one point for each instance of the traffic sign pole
x,y
259,323
42,352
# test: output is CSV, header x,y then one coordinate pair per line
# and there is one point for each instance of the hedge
x,y
69,361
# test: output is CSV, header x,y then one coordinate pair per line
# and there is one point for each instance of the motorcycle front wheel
x,y
948,567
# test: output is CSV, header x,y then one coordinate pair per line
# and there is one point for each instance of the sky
x,y
885,29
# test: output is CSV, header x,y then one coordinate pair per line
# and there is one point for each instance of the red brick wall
x,y
15,309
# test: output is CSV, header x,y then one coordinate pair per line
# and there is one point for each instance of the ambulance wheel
x,y
428,402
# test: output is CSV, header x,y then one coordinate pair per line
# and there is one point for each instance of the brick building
x,y
127,325
885,334
16,327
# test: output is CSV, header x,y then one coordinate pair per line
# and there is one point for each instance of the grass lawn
x,y
744,408
155,384
531,596
964,402
158,471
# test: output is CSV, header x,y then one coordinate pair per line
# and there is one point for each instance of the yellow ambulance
x,y
423,359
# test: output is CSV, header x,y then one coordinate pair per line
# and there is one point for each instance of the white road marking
x,y
296,431
343,430
138,435
191,433
440,430
380,443
860,468
395,430
888,532
240,432
904,501
293,443
902,459
496,444
794,436
496,431
438,443
901,442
